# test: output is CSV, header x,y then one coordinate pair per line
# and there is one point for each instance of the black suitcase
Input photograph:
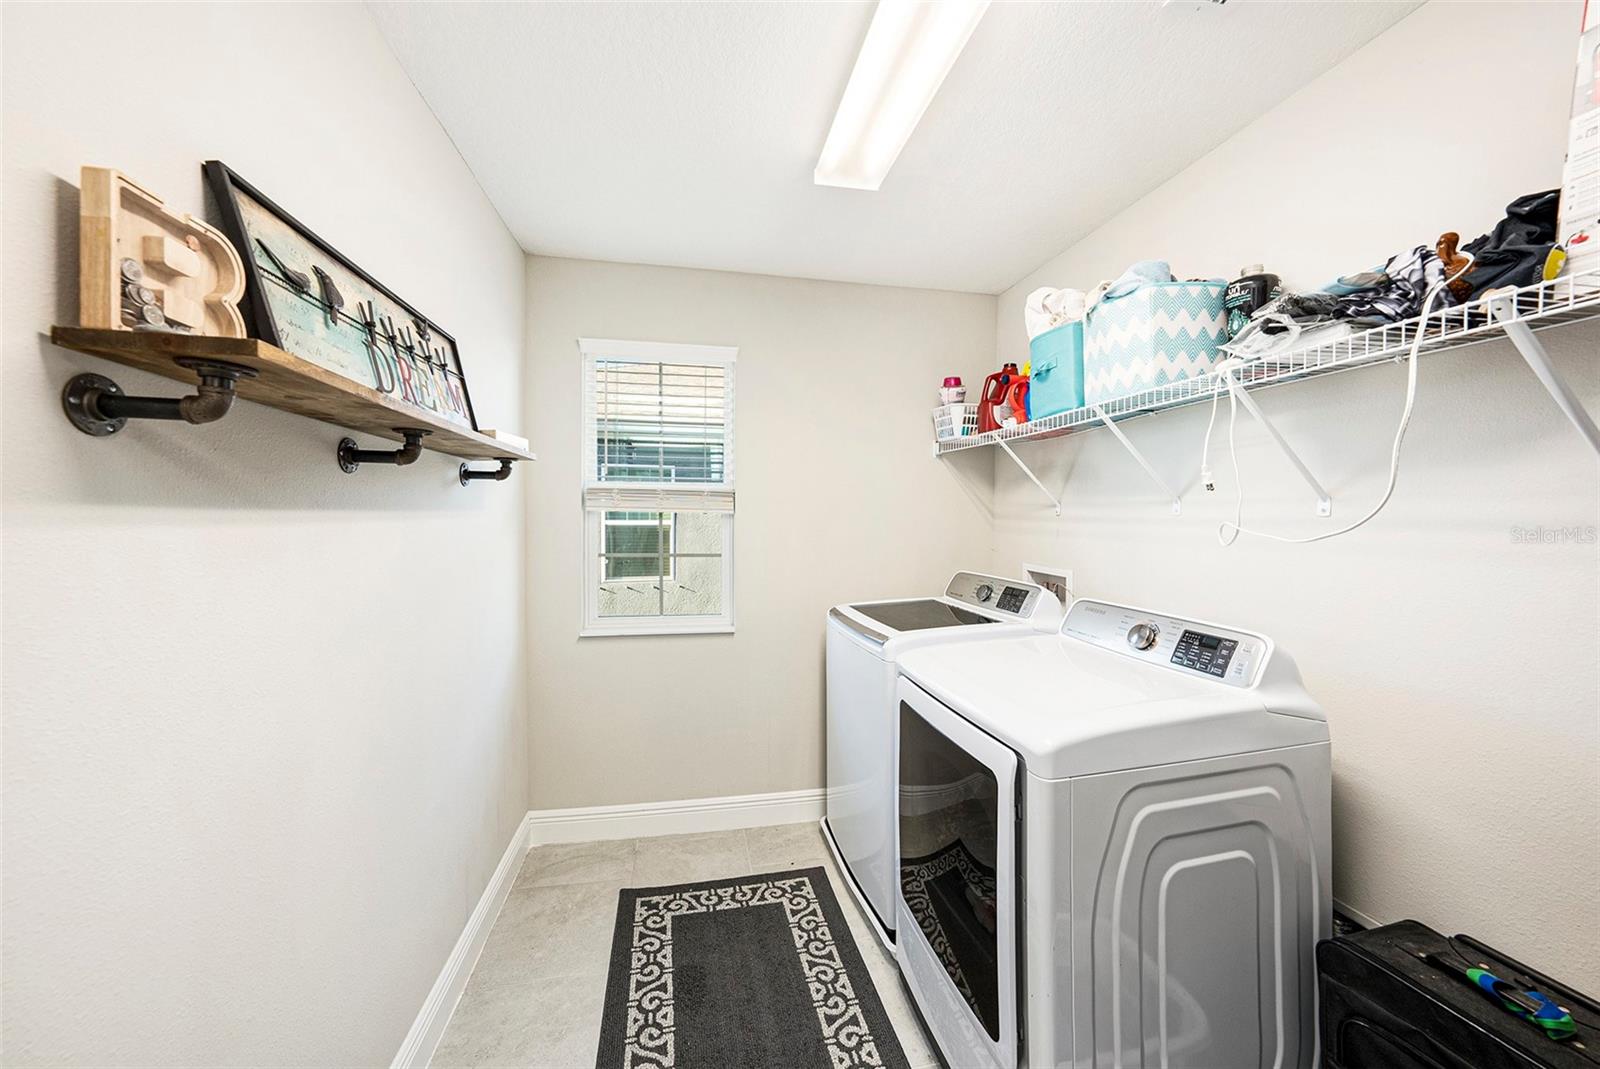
x,y
1385,1007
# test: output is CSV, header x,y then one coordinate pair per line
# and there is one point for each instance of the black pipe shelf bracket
x,y
351,458
97,406
500,474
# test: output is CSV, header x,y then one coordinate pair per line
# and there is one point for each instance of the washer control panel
x,y
1216,653
1204,652
995,596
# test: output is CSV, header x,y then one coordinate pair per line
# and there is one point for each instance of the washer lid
x,y
969,601
1074,709
921,615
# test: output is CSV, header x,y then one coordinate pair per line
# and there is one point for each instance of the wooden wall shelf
x,y
284,381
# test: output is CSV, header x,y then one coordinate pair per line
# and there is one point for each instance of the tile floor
x,y
535,997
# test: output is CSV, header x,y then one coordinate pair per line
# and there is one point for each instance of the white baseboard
x,y
673,818
428,1028
1356,915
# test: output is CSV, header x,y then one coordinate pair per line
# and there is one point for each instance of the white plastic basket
x,y
953,421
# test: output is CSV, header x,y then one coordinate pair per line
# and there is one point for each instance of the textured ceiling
x,y
686,133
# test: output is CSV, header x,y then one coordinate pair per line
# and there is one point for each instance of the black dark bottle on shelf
x,y
1252,289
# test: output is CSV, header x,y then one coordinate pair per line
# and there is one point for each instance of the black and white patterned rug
x,y
751,971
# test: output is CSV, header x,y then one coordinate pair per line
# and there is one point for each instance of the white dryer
x,y
864,642
1114,846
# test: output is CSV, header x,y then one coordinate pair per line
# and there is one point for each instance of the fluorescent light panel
x,y
910,47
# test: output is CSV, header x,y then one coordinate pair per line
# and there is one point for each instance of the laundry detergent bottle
x,y
1016,409
995,388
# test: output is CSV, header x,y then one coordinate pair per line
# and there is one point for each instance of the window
x,y
657,487
634,542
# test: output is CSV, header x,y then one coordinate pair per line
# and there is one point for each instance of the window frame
x,y
592,624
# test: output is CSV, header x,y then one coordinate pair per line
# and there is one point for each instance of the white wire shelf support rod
x,y
1043,489
1504,309
1133,451
1236,388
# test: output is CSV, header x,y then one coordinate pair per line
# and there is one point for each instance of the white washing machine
x,y
1114,846
864,643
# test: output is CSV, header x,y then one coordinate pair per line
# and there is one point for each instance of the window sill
x,y
635,630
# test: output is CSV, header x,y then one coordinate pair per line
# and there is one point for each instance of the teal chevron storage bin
x,y
1157,335
1056,375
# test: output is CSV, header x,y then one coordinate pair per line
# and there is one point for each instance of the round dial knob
x,y
1143,636
984,592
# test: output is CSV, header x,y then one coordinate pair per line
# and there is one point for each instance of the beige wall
x,y
269,863
264,724
1458,667
838,500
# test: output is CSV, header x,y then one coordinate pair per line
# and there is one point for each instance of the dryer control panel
x,y
996,596
1189,646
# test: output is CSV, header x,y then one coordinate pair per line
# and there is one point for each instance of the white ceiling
x,y
686,133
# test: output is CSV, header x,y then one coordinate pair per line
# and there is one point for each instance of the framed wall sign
x,y
307,298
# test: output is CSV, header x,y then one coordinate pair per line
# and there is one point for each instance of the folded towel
x,y
1139,275
1046,309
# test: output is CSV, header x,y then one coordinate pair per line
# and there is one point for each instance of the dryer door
x,y
957,908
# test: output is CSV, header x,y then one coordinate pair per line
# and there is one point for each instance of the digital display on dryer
x,y
1204,653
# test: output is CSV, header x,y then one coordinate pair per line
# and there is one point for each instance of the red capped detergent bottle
x,y
1017,398
993,396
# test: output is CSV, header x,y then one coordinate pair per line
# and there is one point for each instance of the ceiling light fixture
x,y
910,47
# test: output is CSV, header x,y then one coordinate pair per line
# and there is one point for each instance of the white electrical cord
x,y
1253,340
1229,531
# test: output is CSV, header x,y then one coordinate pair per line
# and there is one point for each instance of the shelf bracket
x,y
97,406
1133,450
500,474
1504,309
351,458
1054,500
1236,388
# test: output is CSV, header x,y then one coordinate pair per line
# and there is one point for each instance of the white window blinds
x,y
658,428
663,499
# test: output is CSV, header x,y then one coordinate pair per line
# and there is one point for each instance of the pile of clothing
x,y
1047,308
1519,251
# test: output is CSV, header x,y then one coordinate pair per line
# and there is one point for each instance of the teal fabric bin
x,y
1159,334
1056,377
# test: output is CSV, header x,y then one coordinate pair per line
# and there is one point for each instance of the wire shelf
x,y
1560,302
